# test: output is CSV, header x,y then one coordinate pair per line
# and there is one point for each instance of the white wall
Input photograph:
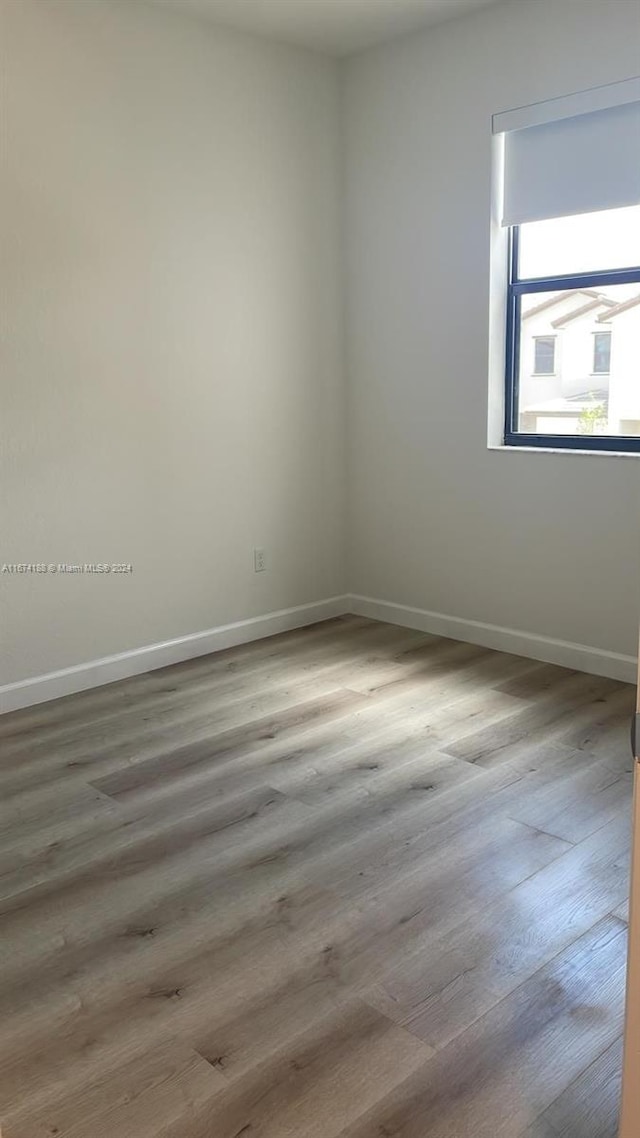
x,y
172,364
549,544
172,381
625,385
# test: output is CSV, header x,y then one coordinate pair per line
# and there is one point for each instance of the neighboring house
x,y
624,382
579,364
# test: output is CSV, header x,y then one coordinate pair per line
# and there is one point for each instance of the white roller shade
x,y
581,164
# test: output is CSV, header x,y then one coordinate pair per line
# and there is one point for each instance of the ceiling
x,y
335,26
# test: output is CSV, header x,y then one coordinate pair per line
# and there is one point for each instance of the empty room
x,y
320,568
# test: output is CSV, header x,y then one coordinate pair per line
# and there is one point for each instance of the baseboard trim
x,y
95,673
580,657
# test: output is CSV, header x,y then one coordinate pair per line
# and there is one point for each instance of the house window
x,y
574,285
544,355
569,189
602,353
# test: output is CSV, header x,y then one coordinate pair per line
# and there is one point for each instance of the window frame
x,y
595,371
517,287
554,344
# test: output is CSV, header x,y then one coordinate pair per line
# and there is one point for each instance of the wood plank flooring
x,y
349,882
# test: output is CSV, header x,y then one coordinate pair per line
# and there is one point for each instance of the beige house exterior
x,y
580,363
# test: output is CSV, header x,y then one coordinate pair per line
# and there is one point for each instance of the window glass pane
x,y
602,353
544,355
591,337
590,242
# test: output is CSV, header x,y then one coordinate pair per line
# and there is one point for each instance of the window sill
x,y
565,450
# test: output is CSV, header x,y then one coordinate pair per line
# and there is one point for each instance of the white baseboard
x,y
80,677
580,657
93,674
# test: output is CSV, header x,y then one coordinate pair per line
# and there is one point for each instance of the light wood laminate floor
x,y
349,882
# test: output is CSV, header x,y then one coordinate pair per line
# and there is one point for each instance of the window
x,y
601,353
577,323
573,304
544,355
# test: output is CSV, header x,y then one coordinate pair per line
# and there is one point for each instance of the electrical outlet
x,y
259,560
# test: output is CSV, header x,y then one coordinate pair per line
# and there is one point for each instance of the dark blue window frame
x,y
519,287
